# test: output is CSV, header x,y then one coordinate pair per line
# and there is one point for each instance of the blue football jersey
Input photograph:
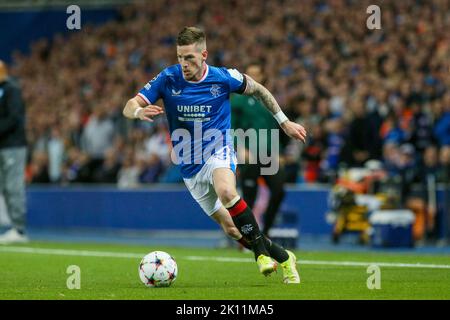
x,y
198,113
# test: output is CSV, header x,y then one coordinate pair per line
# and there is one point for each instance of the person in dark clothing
x,y
422,133
12,156
361,139
38,168
247,113
313,153
429,175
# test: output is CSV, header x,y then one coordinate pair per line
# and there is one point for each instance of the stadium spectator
x,y
108,170
442,125
128,175
407,170
335,142
76,169
444,161
430,173
158,144
359,142
38,171
13,150
422,130
55,148
97,134
313,153
150,168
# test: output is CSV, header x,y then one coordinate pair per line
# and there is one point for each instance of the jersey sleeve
x,y
237,81
151,92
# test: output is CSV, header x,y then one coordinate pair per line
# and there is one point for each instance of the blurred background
x,y
376,104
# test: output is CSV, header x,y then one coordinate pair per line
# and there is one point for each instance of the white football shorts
x,y
201,186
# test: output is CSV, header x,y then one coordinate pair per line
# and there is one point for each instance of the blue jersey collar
x,y
199,81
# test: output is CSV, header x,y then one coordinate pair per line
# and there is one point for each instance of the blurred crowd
x,y
362,94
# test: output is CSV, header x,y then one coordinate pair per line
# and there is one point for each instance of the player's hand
x,y
294,130
149,112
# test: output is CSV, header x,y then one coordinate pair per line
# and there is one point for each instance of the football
x,y
158,269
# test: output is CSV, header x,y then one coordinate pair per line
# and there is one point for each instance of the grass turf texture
x,y
43,276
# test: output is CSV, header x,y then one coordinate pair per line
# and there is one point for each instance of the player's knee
x,y
226,194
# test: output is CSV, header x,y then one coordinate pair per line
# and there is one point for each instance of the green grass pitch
x,y
39,271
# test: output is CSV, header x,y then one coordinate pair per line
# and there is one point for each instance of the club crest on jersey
x,y
215,90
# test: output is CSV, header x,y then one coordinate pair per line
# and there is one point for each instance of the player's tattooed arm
x,y
137,108
260,92
257,90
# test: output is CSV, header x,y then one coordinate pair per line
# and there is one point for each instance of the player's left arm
x,y
257,90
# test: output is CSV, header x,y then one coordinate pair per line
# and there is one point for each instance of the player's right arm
x,y
141,106
138,108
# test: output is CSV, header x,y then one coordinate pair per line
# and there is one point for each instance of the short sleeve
x,y
151,92
237,81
